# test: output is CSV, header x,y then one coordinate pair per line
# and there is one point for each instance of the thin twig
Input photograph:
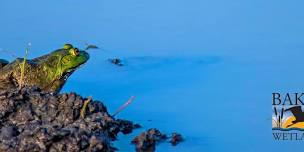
x,y
124,106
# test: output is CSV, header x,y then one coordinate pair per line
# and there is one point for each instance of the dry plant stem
x,y
84,107
124,106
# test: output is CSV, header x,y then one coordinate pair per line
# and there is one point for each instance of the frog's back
x,y
10,73
5,81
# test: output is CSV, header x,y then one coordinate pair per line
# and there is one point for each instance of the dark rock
x,y
146,141
9,131
136,126
176,138
127,126
116,61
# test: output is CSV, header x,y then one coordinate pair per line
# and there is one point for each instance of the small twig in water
x,y
90,46
124,106
84,107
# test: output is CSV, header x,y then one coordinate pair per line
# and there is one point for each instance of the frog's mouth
x,y
67,75
69,72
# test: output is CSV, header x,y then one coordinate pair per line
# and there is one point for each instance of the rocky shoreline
x,y
32,120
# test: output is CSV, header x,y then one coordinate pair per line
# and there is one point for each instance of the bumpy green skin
x,y
48,72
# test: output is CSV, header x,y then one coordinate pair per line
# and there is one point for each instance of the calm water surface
x,y
204,69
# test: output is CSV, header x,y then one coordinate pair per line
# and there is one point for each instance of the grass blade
x,y
22,67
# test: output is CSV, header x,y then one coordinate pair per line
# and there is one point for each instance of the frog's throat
x,y
62,73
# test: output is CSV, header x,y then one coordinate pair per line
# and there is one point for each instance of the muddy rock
x,y
176,138
116,61
127,126
146,141
31,120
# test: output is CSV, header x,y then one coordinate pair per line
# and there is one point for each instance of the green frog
x,y
48,72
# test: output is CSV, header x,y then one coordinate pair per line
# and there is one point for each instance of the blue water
x,y
205,69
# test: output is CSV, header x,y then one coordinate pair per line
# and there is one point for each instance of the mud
x,y
31,120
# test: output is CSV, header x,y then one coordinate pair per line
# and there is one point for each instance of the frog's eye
x,y
74,51
67,46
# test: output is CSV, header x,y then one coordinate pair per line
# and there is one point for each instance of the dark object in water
x,y
127,126
32,120
146,141
90,46
176,138
116,61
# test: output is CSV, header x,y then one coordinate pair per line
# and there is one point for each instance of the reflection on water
x,y
163,88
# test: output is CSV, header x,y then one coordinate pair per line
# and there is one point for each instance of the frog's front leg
x,y
55,86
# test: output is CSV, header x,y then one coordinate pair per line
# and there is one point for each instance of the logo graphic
x,y
288,119
287,116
